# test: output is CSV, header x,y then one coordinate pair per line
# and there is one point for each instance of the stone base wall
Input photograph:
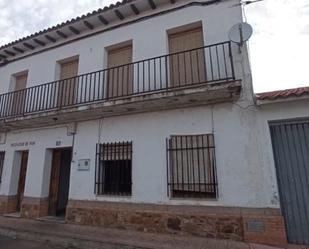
x,y
8,204
34,207
252,225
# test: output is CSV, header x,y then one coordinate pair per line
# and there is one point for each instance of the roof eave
x,y
68,30
261,102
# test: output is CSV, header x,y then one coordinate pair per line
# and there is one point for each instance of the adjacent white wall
x,y
286,110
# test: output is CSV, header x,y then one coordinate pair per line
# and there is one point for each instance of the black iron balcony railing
x,y
205,65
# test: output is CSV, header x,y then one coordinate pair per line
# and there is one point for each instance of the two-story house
x,y
138,116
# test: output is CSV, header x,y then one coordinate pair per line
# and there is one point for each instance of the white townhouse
x,y
139,116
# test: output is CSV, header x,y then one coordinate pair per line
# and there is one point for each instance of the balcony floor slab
x,y
202,94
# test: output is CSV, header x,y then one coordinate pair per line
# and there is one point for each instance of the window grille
x,y
191,166
2,153
113,175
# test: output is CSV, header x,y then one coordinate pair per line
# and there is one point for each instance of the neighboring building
x,y
148,122
284,119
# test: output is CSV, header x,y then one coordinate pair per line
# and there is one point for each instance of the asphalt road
x,y
10,243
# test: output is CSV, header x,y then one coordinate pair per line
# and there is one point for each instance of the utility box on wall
x,y
83,164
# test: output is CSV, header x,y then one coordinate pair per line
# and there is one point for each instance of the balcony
x,y
194,77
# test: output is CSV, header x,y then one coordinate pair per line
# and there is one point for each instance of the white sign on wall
x,y
83,164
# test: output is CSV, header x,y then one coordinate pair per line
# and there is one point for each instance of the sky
x,y
279,47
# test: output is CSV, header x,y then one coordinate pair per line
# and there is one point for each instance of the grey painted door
x,y
291,152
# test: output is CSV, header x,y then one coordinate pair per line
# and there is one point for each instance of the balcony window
x,y
120,75
188,67
191,166
18,98
114,169
67,85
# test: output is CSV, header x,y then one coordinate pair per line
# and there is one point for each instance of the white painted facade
x,y
244,161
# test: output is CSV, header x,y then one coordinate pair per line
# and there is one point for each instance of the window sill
x,y
114,196
193,199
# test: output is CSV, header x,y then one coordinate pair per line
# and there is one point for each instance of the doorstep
x,y
88,237
57,219
12,215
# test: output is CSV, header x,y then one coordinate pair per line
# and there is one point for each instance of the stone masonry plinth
x,y
264,226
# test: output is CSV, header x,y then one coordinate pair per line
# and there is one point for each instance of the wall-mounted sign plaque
x,y
27,143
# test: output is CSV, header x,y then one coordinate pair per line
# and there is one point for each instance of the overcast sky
x,y
279,47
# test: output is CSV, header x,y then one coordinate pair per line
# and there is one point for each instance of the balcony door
x,y
19,97
189,67
67,84
120,74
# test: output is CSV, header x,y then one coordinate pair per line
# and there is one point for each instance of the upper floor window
x,y
19,81
120,79
191,166
18,98
188,67
67,92
114,169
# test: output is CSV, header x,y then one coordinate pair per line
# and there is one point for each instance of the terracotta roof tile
x,y
294,92
76,19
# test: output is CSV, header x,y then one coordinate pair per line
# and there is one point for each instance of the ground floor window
x,y
2,153
191,166
114,169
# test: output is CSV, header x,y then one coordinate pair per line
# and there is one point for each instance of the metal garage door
x,y
291,152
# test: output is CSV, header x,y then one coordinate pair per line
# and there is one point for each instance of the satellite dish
x,y
240,33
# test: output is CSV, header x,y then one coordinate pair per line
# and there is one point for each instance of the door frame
x,y
22,173
54,190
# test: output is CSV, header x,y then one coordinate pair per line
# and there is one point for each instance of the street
x,y
10,243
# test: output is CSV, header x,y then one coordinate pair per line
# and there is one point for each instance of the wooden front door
x,y
67,84
59,181
189,67
22,179
19,97
120,79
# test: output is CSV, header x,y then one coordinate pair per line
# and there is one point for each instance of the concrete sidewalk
x,y
86,237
